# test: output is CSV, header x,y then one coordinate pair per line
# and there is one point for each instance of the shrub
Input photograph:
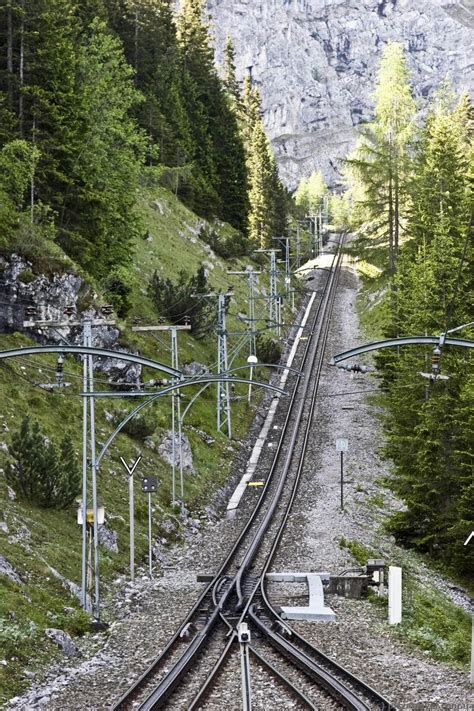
x,y
118,285
233,245
180,301
40,471
268,350
26,276
139,427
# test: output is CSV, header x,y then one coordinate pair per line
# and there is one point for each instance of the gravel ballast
x,y
148,612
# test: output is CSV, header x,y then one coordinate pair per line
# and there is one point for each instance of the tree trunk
x,y
22,67
10,54
391,262
396,217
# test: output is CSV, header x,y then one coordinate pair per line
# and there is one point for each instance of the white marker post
x,y
132,513
394,595
471,677
342,445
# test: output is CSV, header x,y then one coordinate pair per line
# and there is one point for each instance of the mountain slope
x,y
315,61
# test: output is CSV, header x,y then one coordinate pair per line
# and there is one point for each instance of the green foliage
x,y
40,472
183,301
118,285
268,349
139,427
381,160
310,193
429,425
93,91
109,154
227,247
18,161
13,634
435,624
360,552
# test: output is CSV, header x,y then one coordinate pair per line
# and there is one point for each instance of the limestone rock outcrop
x,y
316,60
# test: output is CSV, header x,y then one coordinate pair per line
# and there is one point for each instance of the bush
x,y
233,245
268,350
26,276
139,427
182,301
40,472
118,285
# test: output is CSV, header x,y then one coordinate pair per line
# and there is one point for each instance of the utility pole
x,y
273,295
251,285
88,431
314,235
223,396
298,246
175,404
286,240
320,231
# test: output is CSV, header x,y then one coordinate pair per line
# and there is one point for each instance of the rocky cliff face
x,y
316,60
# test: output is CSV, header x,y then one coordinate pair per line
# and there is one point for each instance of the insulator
x,y
435,358
30,310
69,310
107,309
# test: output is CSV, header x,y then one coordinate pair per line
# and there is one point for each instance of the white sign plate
x,y
342,445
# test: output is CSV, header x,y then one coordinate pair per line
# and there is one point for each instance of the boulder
x,y
165,450
108,539
194,369
7,569
62,640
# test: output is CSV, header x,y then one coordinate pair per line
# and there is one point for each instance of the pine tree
x,y
268,197
39,472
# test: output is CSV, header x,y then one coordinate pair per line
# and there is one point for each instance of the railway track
x,y
191,667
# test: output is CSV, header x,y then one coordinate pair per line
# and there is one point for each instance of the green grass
x,y
433,623
360,552
52,539
430,621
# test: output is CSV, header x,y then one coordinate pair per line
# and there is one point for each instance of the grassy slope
x,y
40,539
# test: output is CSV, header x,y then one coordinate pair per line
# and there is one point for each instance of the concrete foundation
x,y
316,609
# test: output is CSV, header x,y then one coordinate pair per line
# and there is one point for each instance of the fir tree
x,y
98,221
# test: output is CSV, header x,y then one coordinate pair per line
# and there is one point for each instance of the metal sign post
x,y
130,471
342,445
149,486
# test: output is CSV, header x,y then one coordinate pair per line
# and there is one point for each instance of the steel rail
x,y
310,649
332,685
340,689
298,695
257,541
167,685
152,668
171,680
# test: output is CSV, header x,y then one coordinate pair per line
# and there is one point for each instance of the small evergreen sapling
x,y
40,472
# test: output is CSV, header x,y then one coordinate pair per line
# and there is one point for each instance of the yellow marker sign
x,y
256,483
